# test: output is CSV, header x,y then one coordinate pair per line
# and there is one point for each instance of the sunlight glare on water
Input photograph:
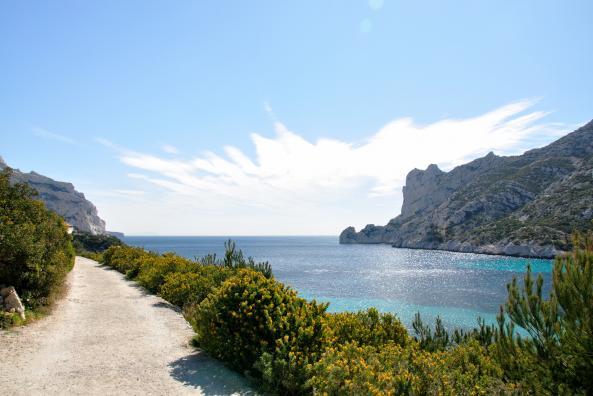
x,y
457,286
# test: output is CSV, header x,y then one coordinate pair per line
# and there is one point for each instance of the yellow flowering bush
x,y
261,327
350,369
366,328
126,259
185,288
392,369
465,369
153,271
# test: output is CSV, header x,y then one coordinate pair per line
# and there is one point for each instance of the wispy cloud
x,y
167,148
290,163
109,144
45,134
290,174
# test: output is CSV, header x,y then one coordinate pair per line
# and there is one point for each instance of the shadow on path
x,y
208,375
167,305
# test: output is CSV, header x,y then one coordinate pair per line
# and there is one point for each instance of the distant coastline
x,y
490,253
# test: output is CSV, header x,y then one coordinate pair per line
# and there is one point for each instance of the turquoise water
x,y
457,286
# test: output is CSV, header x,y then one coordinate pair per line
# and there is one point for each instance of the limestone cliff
x,y
524,205
63,199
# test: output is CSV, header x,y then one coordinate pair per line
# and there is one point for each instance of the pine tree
x,y
557,356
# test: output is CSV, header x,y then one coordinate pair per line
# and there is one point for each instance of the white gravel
x,y
108,336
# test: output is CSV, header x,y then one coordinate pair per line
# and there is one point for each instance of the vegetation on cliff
x,y
36,252
289,345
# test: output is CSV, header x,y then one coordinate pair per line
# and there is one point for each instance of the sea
x,y
457,287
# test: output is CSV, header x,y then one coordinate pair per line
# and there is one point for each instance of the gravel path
x,y
108,336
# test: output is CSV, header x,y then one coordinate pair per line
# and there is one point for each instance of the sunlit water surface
x,y
457,286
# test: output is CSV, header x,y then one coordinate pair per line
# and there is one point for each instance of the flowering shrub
x,y
367,328
153,271
350,369
465,369
186,288
126,259
261,327
392,369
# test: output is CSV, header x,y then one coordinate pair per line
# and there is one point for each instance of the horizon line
x,y
230,236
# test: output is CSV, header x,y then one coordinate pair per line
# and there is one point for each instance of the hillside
x,y
63,199
525,205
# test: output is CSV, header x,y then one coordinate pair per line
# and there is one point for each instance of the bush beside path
x,y
108,336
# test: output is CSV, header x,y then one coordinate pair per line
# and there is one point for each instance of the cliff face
x,y
63,199
524,205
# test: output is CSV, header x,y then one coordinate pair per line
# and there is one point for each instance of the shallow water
x,y
457,286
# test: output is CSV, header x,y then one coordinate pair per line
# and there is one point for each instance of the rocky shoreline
x,y
531,250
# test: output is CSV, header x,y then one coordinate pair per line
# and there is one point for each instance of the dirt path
x,y
107,336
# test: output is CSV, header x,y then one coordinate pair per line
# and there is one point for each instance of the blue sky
x,y
95,92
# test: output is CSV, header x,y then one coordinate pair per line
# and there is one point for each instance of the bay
x,y
458,287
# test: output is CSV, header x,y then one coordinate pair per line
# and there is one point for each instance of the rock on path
x,y
108,336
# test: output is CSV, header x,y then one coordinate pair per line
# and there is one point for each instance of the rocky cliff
x,y
63,199
524,205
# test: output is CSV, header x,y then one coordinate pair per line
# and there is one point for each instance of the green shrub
x,y
153,270
392,369
192,287
126,259
367,328
7,319
35,249
261,327
98,257
465,369
85,242
351,369
234,259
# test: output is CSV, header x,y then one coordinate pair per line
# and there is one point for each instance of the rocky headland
x,y
63,199
526,205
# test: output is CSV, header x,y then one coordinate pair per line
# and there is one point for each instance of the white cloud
x,y
321,186
106,143
45,134
167,148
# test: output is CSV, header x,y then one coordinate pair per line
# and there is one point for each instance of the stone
x,y
5,291
12,302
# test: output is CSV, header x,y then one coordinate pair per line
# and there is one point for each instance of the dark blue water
x,y
457,286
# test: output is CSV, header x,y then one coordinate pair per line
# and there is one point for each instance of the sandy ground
x,y
108,336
